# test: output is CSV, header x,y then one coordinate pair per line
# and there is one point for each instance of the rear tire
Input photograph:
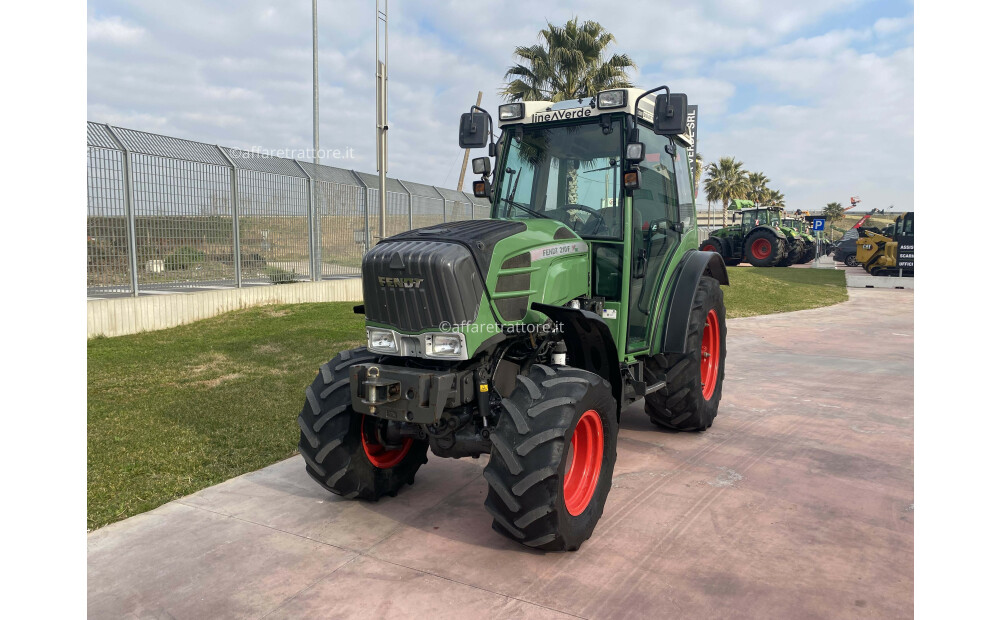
x,y
690,400
543,493
337,455
763,248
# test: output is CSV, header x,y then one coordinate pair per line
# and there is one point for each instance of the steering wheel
x,y
594,225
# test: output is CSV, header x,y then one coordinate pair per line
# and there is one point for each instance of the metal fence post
x,y
368,233
472,206
233,189
311,213
133,259
409,204
444,203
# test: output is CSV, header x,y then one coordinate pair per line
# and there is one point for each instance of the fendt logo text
x,y
399,282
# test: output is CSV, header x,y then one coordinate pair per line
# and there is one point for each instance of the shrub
x,y
280,276
184,257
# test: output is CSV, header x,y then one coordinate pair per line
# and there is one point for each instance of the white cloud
x,y
113,30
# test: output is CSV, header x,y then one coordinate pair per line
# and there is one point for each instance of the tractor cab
x,y
615,169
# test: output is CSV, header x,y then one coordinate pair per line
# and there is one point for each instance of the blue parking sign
x,y
819,224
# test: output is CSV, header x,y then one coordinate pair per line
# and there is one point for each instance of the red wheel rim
x,y
584,470
761,248
710,354
709,248
377,453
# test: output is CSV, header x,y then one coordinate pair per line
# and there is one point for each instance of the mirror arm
x,y
648,92
492,147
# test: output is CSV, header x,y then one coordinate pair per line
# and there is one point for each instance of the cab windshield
x,y
570,173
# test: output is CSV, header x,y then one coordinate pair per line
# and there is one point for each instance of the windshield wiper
x,y
526,208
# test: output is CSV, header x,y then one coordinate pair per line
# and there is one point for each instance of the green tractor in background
x,y
523,336
758,238
801,228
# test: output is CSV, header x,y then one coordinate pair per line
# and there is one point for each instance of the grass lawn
x,y
174,411
766,290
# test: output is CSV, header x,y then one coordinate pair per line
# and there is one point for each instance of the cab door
x,y
655,213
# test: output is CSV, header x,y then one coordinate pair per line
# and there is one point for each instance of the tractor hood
x,y
472,272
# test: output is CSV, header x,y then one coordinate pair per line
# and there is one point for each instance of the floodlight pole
x,y
381,105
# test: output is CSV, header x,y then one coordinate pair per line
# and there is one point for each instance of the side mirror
x,y
481,188
481,166
670,114
473,132
635,152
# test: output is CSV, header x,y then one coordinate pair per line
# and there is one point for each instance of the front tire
x,y
690,400
851,260
554,452
341,447
795,252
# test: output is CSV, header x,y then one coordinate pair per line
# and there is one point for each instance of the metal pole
x,y
234,186
465,159
472,206
381,106
409,204
444,203
314,266
368,235
133,260
315,86
311,214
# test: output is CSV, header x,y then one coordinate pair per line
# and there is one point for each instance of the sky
x,y
817,95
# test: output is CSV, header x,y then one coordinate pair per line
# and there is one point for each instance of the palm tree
x,y
726,181
758,187
698,165
772,198
833,211
570,62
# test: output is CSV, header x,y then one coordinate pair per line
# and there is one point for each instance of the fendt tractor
x,y
888,252
757,239
801,228
523,336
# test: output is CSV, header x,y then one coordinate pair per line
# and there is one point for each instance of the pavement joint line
x,y
480,588
270,527
311,584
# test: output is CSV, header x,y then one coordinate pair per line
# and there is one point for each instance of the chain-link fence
x,y
170,214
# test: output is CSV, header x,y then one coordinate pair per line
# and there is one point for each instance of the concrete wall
x,y
130,315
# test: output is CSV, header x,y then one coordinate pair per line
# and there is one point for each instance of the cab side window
x,y
685,189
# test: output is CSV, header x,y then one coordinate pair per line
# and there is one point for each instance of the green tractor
x,y
523,336
757,239
802,231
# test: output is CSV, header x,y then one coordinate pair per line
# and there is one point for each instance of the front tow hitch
x,y
378,391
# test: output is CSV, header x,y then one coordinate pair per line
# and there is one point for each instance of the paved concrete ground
x,y
798,503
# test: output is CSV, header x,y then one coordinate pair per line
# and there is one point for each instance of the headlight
x,y
446,344
612,99
381,341
511,111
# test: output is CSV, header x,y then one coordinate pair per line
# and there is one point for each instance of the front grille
x,y
417,285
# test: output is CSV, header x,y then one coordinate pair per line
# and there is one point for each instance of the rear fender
x,y
693,265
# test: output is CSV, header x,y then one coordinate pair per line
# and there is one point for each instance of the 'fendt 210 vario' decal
x,y
558,250
558,115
